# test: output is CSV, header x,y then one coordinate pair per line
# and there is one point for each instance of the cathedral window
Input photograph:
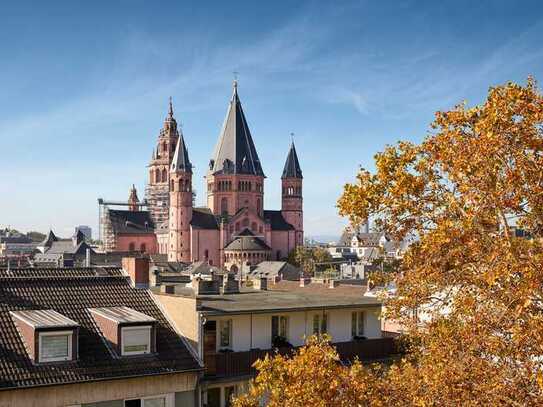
x,y
245,222
258,206
164,175
143,248
237,226
131,247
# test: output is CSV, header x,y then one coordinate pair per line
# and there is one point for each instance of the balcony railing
x,y
232,364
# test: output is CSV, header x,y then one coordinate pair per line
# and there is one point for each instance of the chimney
x,y
87,258
138,270
260,284
229,284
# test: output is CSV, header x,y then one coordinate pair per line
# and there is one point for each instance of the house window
x,y
357,324
320,324
279,327
136,340
55,346
224,206
225,333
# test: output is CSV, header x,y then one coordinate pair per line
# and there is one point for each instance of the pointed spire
x,y
292,165
235,152
170,111
133,199
180,161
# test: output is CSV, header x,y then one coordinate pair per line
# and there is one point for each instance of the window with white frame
x,y
279,326
136,340
357,324
55,346
225,333
320,324
164,400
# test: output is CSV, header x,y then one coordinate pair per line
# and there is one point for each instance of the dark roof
x,y
203,218
277,221
72,292
15,239
247,243
271,269
49,239
131,222
180,161
292,165
235,152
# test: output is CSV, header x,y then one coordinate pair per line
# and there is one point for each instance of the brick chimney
x,y
138,270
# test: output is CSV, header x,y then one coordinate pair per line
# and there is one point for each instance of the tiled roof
x,y
250,243
203,218
292,165
235,152
72,292
131,222
270,269
277,221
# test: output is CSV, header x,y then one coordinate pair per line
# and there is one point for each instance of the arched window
x,y
206,254
245,222
258,206
224,206
237,226
171,185
131,247
164,175
143,248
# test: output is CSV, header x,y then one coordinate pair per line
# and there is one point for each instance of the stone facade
x,y
234,216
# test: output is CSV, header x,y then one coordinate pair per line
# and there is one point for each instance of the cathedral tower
x,y
157,191
235,179
291,197
180,204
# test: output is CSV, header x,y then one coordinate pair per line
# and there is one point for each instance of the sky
x,y
84,90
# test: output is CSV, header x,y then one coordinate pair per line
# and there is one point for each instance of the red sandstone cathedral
x,y
233,229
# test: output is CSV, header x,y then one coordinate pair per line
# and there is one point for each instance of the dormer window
x,y
136,340
127,331
48,336
55,346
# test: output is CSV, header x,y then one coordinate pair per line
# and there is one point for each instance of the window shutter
x,y
136,340
54,346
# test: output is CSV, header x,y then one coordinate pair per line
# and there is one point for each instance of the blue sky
x,y
84,89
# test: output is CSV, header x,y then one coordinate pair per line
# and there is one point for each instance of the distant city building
x,y
56,252
233,230
16,245
86,230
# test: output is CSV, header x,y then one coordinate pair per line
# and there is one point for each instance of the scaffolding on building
x,y
106,234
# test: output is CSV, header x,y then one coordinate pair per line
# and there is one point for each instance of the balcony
x,y
232,364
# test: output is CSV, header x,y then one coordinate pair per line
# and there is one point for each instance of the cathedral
x,y
233,229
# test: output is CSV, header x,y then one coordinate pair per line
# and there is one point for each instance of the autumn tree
x,y
308,257
469,291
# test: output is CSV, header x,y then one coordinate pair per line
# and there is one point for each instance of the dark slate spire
x,y
235,152
292,165
180,161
